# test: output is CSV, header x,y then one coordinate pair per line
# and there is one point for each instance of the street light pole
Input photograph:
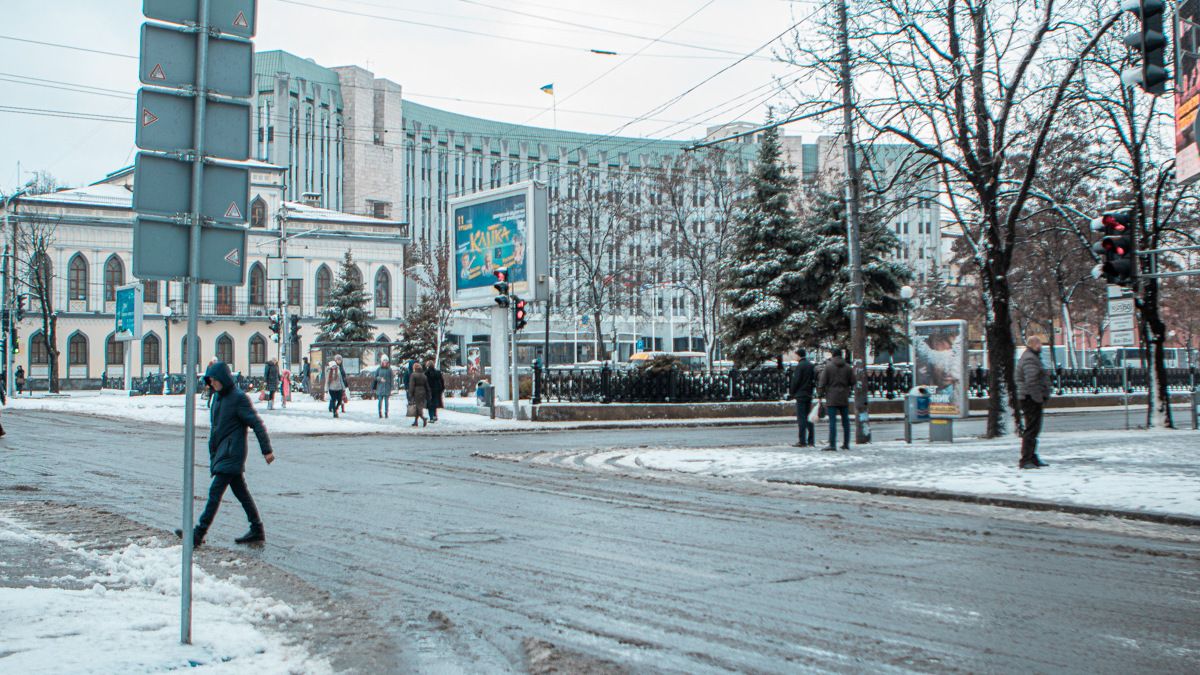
x,y
906,294
168,312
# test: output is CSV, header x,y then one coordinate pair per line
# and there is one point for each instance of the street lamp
x,y
906,294
167,312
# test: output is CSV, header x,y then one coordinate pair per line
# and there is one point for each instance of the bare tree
x,y
35,277
429,269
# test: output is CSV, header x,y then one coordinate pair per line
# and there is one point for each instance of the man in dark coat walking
x,y
437,385
1033,389
835,384
271,375
804,379
232,414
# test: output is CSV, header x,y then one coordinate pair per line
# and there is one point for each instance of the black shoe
x,y
829,448
197,535
845,447
414,423
1038,461
1028,465
255,534
799,445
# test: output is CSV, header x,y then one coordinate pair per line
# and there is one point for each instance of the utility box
x,y
941,430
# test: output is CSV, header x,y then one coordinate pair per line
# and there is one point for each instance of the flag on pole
x,y
548,89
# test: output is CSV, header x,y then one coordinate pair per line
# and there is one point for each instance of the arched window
x,y
383,288
258,213
354,274
114,277
258,349
258,285
77,278
225,349
183,351
77,350
382,338
150,292
324,281
150,350
114,351
224,300
39,350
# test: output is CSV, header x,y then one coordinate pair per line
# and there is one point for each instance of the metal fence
x,y
606,385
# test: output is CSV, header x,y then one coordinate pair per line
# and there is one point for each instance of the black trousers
x,y
1031,413
335,399
808,431
237,482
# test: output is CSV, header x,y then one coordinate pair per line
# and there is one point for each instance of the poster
x,y
1187,91
940,365
488,236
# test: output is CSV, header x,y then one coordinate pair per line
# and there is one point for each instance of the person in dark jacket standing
x,y
804,379
437,385
418,394
1033,389
835,384
19,380
271,375
232,414
305,373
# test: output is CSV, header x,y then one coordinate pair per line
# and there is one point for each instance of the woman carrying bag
x,y
418,394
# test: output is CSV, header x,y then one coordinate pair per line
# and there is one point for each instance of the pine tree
x,y
822,316
761,276
345,318
419,334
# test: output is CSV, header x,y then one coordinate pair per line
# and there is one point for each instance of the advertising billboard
x,y
1187,91
501,228
940,365
128,312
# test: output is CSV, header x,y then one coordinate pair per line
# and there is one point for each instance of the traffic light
x,y
20,307
1150,40
294,320
520,316
275,324
16,340
501,286
1116,249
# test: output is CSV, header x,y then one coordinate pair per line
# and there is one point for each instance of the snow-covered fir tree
x,y
419,334
345,318
761,276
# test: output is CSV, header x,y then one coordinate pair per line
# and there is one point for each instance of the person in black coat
x,y
232,414
271,375
804,380
437,385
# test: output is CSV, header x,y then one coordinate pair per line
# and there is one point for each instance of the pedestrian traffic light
x,y
501,287
1116,250
1150,40
519,314
294,320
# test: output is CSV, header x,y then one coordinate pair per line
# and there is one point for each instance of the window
x,y
324,281
114,352
150,351
183,351
380,209
77,350
295,291
39,350
258,213
114,277
225,349
258,285
258,349
383,288
77,278
150,291
225,300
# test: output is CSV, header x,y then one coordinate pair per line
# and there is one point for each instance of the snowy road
x,y
463,559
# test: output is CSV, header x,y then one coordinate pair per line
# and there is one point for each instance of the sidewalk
x,y
71,607
1149,475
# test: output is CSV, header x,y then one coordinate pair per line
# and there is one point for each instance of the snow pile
x,y
128,620
1149,471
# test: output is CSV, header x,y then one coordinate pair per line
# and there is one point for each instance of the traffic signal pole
x,y
8,371
512,367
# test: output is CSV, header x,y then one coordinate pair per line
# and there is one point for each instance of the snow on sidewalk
x,y
118,612
1143,471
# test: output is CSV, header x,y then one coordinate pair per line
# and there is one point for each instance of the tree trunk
x,y
1002,388
1154,333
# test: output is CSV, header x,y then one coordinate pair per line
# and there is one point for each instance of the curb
x,y
1005,502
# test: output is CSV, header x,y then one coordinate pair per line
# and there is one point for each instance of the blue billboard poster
x,y
489,236
128,312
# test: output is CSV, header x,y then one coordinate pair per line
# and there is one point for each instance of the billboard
x,y
1187,91
501,228
940,365
128,312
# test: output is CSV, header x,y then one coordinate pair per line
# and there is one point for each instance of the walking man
x,y
1033,388
271,375
232,414
803,381
335,386
437,385
835,385
384,382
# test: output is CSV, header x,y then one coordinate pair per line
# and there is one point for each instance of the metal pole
x,y
516,380
193,355
8,378
858,337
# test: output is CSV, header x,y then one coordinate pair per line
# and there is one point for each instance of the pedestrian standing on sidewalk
x,y
345,382
305,374
418,394
335,386
232,414
382,384
1033,389
803,381
271,375
835,385
437,385
19,379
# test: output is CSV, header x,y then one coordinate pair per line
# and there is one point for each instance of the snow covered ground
x,y
118,611
1148,471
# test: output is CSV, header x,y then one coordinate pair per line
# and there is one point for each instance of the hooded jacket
x,y
836,382
230,417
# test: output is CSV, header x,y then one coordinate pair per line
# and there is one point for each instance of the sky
x,y
75,120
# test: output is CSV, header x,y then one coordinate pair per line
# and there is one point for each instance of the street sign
x,y
276,271
1122,338
163,186
168,59
233,17
166,121
128,313
160,251
1121,322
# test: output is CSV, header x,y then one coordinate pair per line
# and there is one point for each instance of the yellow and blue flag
x,y
548,89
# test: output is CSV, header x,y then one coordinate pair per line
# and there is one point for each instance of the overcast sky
x,y
529,45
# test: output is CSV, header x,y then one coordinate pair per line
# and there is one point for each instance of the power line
x,y
60,45
69,114
77,90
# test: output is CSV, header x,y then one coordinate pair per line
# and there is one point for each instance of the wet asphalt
x,y
462,561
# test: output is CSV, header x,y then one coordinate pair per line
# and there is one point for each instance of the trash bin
x,y
916,405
